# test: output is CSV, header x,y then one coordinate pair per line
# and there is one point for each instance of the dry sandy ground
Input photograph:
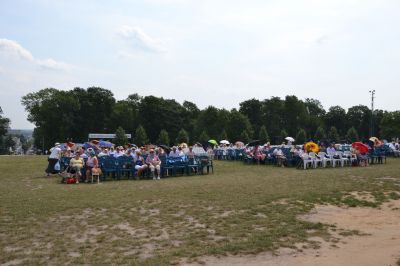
x,y
380,245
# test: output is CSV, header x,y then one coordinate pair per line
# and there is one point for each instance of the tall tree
x,y
141,136
333,135
223,135
336,117
120,137
272,117
163,137
320,134
263,134
253,110
283,135
236,124
352,135
203,138
359,117
301,136
4,124
244,136
183,136
390,125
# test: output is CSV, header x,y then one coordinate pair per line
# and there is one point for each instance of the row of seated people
x,y
293,155
136,164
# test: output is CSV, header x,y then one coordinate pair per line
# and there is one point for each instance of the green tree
x,y
390,125
236,124
336,117
272,117
352,134
183,136
283,135
120,137
223,135
4,124
244,136
253,110
163,137
320,134
359,117
301,136
263,134
141,136
333,135
203,138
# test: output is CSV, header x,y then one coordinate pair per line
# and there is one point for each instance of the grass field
x,y
238,209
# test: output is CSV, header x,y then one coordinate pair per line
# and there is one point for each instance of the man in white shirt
x,y
54,157
331,149
174,153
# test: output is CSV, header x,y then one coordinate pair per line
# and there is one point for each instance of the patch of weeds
x,y
353,202
394,195
352,233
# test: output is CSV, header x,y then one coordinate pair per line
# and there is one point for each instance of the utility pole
x,y
372,112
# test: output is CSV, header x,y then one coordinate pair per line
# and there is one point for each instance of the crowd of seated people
x,y
82,163
287,154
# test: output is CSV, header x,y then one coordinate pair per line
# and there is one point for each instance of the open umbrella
x,y
289,139
95,142
213,141
224,142
166,148
311,146
105,144
360,146
254,142
375,140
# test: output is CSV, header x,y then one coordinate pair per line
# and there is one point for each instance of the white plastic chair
x,y
351,156
315,159
325,158
307,161
342,159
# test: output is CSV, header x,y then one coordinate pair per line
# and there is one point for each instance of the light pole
x,y
372,92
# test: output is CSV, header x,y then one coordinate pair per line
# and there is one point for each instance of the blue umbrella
x,y
105,144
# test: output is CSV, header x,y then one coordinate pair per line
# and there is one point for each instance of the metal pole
x,y
372,112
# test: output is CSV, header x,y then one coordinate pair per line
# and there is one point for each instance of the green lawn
x,y
239,209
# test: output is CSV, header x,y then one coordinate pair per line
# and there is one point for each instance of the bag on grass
x,y
71,180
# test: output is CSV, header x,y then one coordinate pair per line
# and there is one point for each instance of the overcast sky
x,y
210,52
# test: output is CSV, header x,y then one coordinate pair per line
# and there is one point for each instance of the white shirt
x,y
175,154
55,153
330,150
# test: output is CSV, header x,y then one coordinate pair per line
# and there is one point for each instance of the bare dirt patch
x,y
376,241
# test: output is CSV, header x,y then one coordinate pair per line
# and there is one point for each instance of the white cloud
x,y
135,37
14,50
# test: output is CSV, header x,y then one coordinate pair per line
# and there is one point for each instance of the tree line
x,y
60,115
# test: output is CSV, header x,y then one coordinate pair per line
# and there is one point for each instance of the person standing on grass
x,y
154,164
54,157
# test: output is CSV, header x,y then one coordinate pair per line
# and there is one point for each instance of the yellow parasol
x,y
311,146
